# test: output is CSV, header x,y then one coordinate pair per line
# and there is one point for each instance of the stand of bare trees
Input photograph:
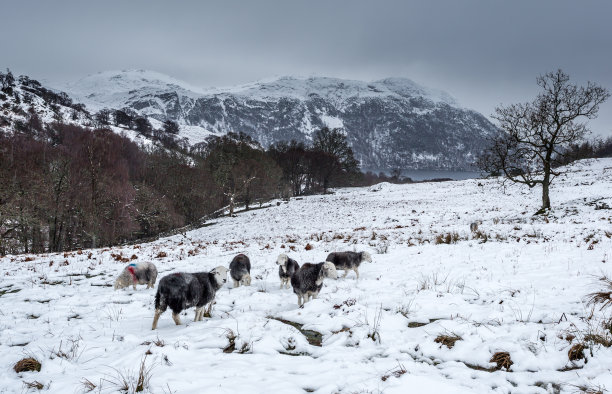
x,y
329,162
64,187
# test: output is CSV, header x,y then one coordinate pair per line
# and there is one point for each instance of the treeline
x,y
65,187
585,150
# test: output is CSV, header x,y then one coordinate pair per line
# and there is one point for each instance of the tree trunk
x,y
231,206
545,188
545,196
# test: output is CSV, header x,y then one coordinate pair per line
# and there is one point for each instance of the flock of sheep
x,y
181,290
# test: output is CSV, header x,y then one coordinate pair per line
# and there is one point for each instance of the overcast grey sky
x,y
483,52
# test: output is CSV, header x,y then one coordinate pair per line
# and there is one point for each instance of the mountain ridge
x,y
390,123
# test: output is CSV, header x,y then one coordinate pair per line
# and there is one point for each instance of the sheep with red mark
x,y
142,274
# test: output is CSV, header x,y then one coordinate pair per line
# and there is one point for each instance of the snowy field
x,y
518,286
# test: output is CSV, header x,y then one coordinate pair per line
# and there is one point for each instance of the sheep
x,y
286,268
240,270
133,274
348,261
181,290
308,280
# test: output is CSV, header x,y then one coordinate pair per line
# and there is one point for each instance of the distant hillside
x,y
391,123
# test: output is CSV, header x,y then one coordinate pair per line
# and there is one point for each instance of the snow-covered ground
x,y
522,292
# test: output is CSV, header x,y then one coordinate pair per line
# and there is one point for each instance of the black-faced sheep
x,y
308,280
286,268
240,270
348,261
181,290
141,274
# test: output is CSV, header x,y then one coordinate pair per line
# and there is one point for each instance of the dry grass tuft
x,y
88,385
34,385
397,372
128,383
27,364
448,238
502,359
584,389
161,254
231,337
576,352
309,247
447,340
481,235
603,297
599,339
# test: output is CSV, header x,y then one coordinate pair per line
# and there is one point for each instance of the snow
x,y
112,89
333,122
522,291
115,89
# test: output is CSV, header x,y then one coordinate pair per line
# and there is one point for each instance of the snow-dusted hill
x,y
392,122
517,287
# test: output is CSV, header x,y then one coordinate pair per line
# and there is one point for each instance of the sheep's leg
x,y
198,313
314,295
134,285
283,281
356,272
209,308
236,283
176,318
300,303
156,318
345,273
288,284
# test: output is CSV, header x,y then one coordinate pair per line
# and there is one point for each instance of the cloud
x,y
482,52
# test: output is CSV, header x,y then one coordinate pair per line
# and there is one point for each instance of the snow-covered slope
x,y
517,287
113,89
30,105
117,89
393,122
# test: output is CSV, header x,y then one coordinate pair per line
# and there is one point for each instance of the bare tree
x,y
537,133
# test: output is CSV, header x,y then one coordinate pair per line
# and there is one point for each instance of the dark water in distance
x,y
421,175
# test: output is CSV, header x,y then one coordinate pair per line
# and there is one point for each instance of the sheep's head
x,y
123,281
365,256
220,274
282,261
328,270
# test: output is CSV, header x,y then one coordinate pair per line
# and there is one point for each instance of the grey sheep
x,y
141,274
308,280
181,290
286,268
240,270
348,261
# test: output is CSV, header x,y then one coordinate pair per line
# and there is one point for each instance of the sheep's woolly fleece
x,y
522,292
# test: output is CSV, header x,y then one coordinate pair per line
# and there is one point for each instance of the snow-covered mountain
x,y
390,123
